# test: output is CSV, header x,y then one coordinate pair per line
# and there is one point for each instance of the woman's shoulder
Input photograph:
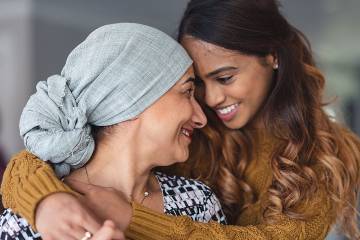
x,y
173,184
13,226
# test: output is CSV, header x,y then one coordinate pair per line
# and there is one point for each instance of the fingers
x,y
119,235
108,232
78,232
82,221
73,217
90,224
56,234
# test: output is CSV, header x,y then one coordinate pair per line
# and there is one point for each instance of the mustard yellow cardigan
x,y
28,180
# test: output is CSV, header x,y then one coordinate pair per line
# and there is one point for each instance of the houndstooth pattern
x,y
181,197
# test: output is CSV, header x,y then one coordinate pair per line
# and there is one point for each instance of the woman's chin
x,y
179,159
184,157
235,123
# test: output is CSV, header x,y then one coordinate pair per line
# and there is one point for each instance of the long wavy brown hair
x,y
314,153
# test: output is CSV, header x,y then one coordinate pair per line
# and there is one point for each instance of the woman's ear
x,y
272,60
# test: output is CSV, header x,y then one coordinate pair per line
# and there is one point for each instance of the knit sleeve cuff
x,y
28,180
148,225
38,187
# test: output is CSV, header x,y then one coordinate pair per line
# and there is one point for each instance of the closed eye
x,y
190,92
224,80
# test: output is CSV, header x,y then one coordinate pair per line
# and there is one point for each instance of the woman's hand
x,y
64,216
108,232
105,203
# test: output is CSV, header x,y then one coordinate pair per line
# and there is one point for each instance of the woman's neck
x,y
122,169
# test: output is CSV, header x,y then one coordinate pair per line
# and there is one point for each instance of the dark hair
x,y
315,152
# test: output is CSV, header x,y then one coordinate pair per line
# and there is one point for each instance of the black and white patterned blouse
x,y
181,197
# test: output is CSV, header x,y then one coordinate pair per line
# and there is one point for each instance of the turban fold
x,y
113,76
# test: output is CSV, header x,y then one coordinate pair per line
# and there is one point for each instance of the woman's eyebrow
x,y
190,79
219,70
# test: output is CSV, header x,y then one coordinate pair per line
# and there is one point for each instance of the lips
x,y
227,113
187,132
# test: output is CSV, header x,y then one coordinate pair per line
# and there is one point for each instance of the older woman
x,y
111,117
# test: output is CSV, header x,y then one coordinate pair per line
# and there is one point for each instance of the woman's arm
x,y
27,180
31,189
149,225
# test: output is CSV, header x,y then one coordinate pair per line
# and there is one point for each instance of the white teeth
x,y
228,109
185,132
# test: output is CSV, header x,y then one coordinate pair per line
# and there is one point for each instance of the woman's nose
x,y
213,96
198,118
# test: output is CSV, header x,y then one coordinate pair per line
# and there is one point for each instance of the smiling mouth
x,y
227,113
187,132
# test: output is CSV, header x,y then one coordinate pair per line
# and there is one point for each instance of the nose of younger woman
x,y
213,95
198,117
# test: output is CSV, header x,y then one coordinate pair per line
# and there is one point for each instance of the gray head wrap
x,y
114,75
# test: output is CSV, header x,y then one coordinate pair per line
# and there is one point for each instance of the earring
x,y
276,66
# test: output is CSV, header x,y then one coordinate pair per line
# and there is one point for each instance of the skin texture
x,y
228,77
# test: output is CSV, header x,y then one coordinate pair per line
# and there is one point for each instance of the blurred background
x,y
37,35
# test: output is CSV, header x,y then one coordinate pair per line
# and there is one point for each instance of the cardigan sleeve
x,y
26,181
149,225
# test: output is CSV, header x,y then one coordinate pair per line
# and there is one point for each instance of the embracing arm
x,y
146,224
27,180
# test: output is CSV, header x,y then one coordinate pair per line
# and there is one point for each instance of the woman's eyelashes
x,y
190,91
224,80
